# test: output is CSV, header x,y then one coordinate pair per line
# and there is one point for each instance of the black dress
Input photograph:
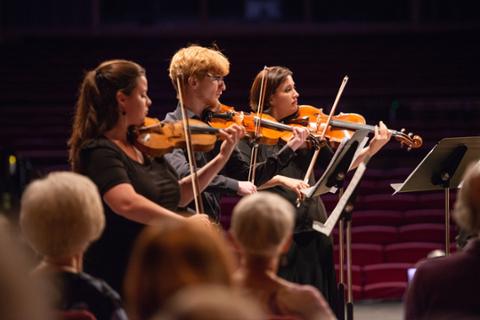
x,y
310,258
107,165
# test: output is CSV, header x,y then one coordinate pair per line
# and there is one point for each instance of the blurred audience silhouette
x,y
170,257
447,287
262,226
61,215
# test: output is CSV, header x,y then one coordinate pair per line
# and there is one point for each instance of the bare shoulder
x,y
305,300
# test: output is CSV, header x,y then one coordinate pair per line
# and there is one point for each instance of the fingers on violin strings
x,y
226,135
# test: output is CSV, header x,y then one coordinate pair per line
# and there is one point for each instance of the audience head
x,y
262,224
19,294
275,77
97,108
210,301
61,214
197,62
467,206
170,257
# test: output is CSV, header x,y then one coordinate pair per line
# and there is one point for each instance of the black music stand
x,y
333,177
442,168
343,210
336,171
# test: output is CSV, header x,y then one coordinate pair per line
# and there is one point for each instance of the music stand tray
x,y
338,167
444,164
442,168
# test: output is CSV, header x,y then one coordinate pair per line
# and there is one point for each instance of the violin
x,y
156,138
343,126
270,129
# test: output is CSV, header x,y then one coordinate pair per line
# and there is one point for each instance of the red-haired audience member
x,y
19,295
448,287
170,257
206,302
262,227
61,215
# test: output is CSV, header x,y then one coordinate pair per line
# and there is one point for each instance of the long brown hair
x,y
96,110
171,257
275,76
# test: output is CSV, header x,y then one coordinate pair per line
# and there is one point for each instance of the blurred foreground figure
x,y
210,302
19,296
447,287
262,226
171,257
61,215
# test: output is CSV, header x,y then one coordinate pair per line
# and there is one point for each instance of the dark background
x,y
413,64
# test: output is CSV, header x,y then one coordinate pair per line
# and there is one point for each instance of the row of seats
x,y
364,254
419,232
377,281
403,201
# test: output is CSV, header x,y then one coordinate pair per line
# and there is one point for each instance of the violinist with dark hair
x,y
310,258
136,189
201,72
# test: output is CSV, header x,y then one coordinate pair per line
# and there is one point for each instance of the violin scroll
x,y
409,140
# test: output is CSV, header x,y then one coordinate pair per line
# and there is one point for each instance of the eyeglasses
x,y
216,78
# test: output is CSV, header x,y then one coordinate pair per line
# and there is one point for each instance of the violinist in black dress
x,y
310,258
136,189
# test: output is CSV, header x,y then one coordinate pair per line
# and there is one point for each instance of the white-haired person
x,y
262,227
61,215
447,287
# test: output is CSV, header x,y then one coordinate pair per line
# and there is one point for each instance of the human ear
x,y
286,245
192,81
121,99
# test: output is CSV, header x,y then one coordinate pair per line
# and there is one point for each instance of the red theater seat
x,y
384,290
377,217
387,202
363,253
409,252
435,200
424,216
424,232
357,275
386,272
227,204
374,234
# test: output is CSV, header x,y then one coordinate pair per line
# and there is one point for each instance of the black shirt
x,y
107,165
80,291
236,169
310,209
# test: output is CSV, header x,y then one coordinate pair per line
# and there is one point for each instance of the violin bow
x,y
327,124
191,156
254,152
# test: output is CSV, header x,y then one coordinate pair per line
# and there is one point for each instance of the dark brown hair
x,y
96,110
274,78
